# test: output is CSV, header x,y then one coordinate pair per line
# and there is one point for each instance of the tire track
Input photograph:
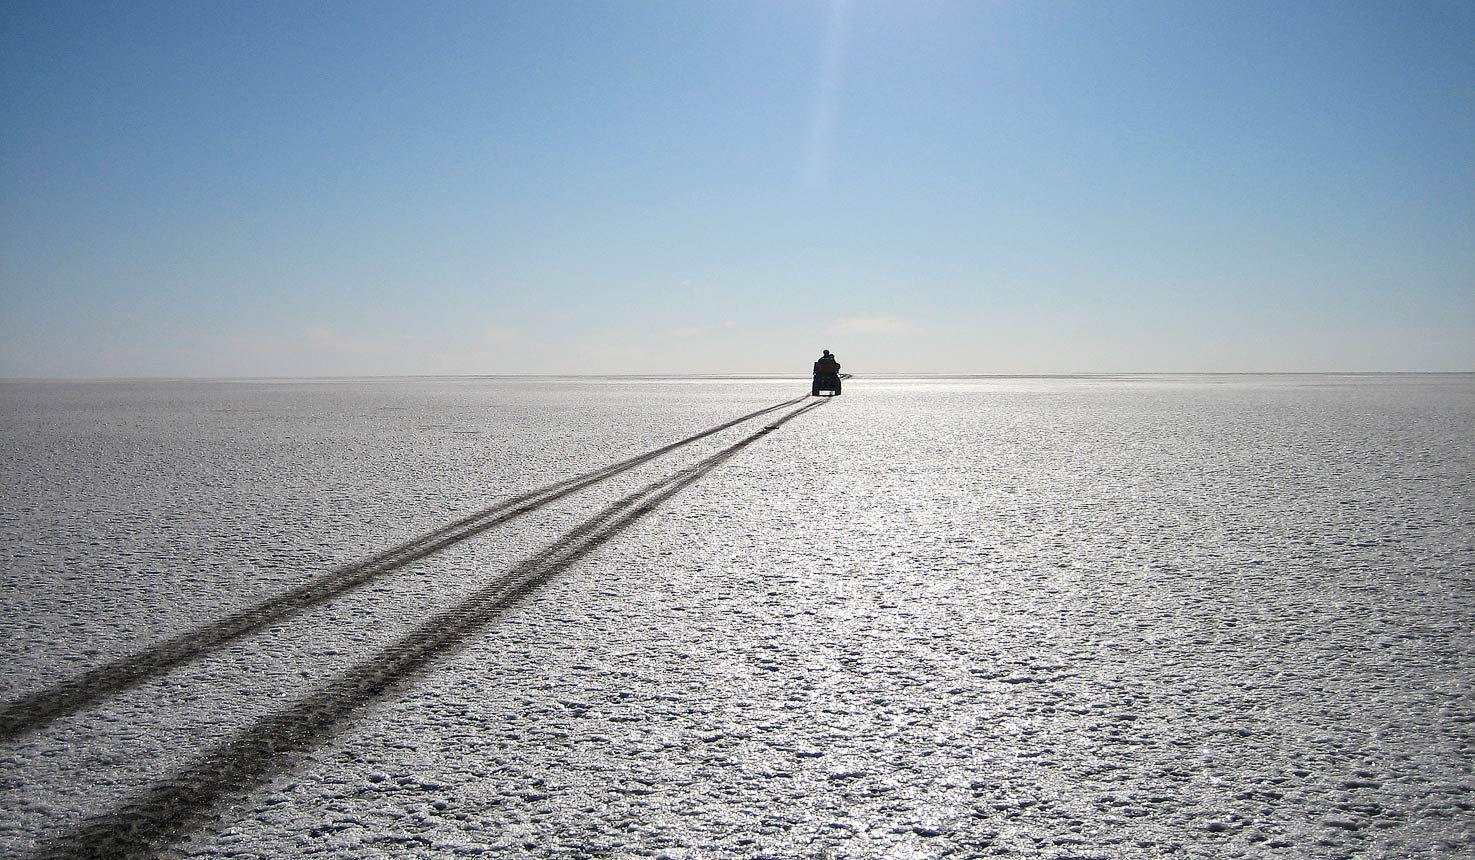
x,y
179,803
32,712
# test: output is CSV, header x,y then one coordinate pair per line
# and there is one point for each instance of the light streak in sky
x,y
818,154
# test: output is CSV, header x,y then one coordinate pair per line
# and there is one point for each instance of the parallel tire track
x,y
178,804
36,710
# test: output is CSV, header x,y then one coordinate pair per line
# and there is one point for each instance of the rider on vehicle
x,y
826,374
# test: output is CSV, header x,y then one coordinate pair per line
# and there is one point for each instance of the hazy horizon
x,y
731,377
566,189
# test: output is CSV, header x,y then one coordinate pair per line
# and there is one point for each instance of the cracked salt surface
x,y
1134,617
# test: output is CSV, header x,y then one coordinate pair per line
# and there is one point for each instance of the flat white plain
x,y
1092,617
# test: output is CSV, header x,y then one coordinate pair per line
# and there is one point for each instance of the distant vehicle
x,y
826,376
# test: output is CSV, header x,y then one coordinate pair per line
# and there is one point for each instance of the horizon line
x,y
727,376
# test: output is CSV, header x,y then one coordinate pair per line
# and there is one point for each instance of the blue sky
x,y
332,189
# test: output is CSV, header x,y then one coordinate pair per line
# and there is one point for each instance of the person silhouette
x,y
826,375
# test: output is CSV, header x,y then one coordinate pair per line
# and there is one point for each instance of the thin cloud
x,y
695,330
871,325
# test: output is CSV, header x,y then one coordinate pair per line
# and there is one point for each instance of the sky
x,y
329,189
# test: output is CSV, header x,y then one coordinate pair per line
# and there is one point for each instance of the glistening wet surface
x,y
1126,617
